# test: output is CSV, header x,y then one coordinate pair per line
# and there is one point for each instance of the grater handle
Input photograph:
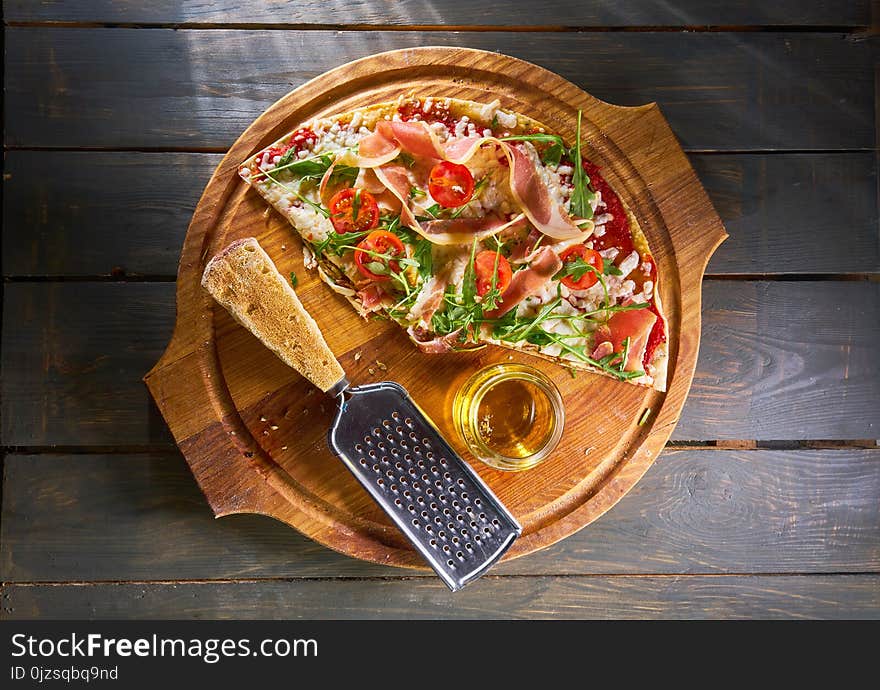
x,y
244,279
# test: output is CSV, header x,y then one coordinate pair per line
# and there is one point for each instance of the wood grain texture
x,y
695,511
216,393
676,597
442,12
66,215
778,360
200,89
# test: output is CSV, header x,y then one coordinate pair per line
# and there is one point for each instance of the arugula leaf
x,y
294,281
469,280
494,124
406,159
610,269
356,203
540,138
576,268
553,154
581,195
415,191
422,253
337,243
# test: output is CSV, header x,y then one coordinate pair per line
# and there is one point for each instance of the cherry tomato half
x,y
342,206
378,242
450,184
484,268
590,256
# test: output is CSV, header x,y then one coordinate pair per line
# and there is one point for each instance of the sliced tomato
x,y
451,185
484,269
343,206
379,242
591,257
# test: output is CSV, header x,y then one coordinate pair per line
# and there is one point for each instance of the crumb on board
x,y
274,427
283,447
381,365
263,419
371,371
589,450
357,356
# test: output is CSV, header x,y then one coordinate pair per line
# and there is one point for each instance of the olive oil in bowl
x,y
509,415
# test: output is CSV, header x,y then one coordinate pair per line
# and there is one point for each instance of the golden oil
x,y
509,415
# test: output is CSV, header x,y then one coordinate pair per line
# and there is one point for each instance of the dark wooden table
x,y
766,502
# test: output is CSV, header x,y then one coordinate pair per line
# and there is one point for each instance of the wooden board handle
x,y
246,282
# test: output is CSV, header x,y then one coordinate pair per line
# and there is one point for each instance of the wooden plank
x,y
797,213
695,511
604,597
65,214
779,360
91,214
447,12
83,384
201,88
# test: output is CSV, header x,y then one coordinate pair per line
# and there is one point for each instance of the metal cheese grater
x,y
440,504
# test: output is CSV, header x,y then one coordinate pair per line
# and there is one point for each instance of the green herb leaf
x,y
356,204
415,191
581,195
553,154
575,268
377,267
610,269
406,159
494,124
294,281
540,138
644,417
338,243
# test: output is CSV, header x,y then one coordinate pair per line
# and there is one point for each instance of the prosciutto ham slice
x,y
528,281
526,185
635,325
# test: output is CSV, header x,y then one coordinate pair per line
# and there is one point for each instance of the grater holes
x,y
415,523
443,462
409,422
416,486
421,464
446,548
426,443
441,534
429,491
389,474
380,481
398,465
460,555
424,513
362,462
395,415
468,510
398,502
496,523
473,524
460,482
439,521
450,563
399,430
464,496
433,542
460,518
455,540
446,511
429,529
478,502
482,516
407,493
433,506
377,431
393,488
447,476
371,453
487,530
424,477
380,445
390,438
430,456
358,447
464,532
469,546
420,500
375,468
408,458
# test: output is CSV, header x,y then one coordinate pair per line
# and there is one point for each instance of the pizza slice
x,y
468,224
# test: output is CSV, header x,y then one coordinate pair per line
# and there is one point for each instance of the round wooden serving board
x,y
254,431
